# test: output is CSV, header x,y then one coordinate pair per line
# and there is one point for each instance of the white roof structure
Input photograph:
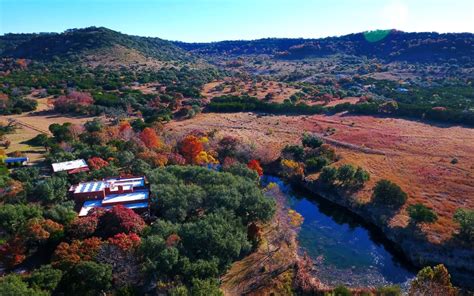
x,y
137,196
96,186
90,187
89,205
69,165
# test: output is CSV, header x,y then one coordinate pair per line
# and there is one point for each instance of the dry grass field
x,y
33,123
279,90
415,155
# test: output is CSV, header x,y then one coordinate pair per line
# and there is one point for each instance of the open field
x,y
415,155
33,123
279,91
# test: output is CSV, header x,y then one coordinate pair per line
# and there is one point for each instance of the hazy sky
x,y
212,20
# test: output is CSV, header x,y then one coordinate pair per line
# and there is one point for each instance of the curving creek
x,y
345,250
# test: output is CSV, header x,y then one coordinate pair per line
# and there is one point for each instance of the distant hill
x,y
390,45
87,41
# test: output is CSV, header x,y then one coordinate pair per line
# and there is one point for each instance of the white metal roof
x,y
89,205
90,187
96,186
137,196
69,165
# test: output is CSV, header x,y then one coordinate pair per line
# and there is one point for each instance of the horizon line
x,y
229,40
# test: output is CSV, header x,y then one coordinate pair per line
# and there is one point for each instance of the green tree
x,y
315,164
45,278
311,141
61,133
361,176
51,190
465,218
328,175
87,278
205,288
389,194
12,285
12,217
346,173
421,214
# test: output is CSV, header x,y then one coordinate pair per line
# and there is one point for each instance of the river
x,y
345,249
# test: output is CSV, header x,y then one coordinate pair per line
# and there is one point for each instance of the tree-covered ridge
x,y
76,42
394,46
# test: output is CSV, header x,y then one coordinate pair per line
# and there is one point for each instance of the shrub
x,y
296,152
432,281
389,291
361,176
389,194
419,213
341,291
328,175
311,141
315,164
346,173
465,218
45,278
87,278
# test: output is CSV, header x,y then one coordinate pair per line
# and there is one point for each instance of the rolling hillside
x,y
78,43
389,45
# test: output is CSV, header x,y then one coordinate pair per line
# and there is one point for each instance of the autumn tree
x,y
149,138
72,102
13,252
255,165
120,219
434,281
97,163
66,255
190,147
125,241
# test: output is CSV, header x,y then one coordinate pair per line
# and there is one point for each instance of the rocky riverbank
x,y
458,259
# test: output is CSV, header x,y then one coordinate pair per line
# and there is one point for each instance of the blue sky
x,y
213,20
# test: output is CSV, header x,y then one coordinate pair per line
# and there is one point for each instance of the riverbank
x,y
409,240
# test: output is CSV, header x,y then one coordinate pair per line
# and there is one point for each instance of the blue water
x,y
345,249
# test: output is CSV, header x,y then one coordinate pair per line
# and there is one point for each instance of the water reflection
x,y
345,249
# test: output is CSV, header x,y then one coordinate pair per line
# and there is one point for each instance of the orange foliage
x,y
150,138
190,147
70,254
157,159
255,165
97,163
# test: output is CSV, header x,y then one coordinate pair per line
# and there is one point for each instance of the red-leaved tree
x,y
120,219
96,163
125,241
74,101
255,165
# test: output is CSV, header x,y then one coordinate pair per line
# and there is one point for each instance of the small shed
x,y
71,167
12,161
